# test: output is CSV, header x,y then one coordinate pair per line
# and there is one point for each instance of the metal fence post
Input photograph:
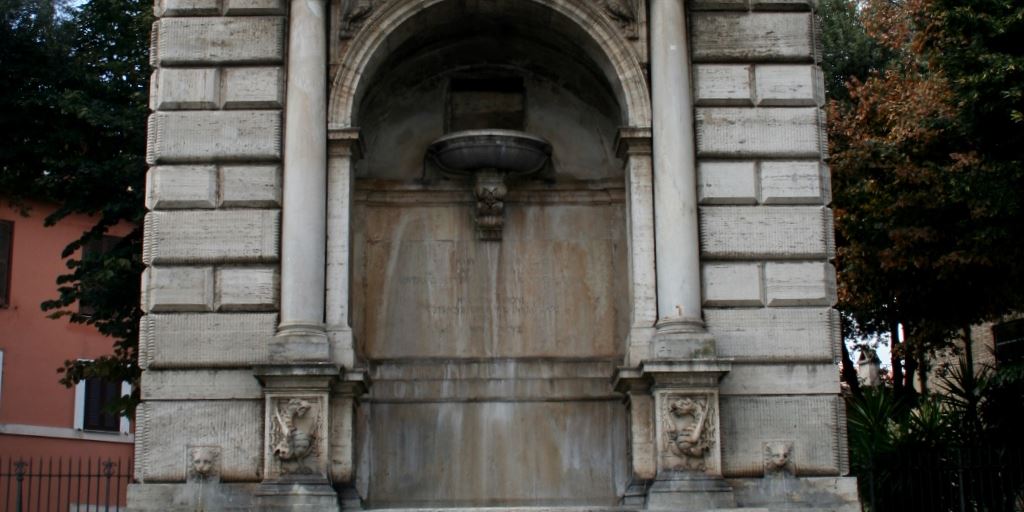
x,y
108,471
960,479
19,473
871,485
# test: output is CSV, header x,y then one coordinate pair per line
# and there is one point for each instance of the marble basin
x,y
509,152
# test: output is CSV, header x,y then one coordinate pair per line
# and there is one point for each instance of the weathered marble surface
x,y
425,287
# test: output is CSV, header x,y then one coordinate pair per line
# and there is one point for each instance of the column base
x,y
682,338
296,494
300,343
683,491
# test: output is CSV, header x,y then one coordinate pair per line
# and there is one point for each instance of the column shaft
x,y
677,248
304,230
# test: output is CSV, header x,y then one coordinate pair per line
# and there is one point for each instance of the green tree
x,y
928,206
75,103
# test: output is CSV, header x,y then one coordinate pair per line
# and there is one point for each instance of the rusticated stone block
x,y
781,379
186,7
722,84
171,187
253,88
247,289
200,385
177,289
775,334
800,284
813,422
187,88
184,137
166,429
205,340
246,236
783,5
251,7
753,37
221,40
766,232
752,132
251,186
718,5
794,182
732,284
789,85
723,182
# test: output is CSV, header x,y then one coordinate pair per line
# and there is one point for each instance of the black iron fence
x,y
64,484
975,479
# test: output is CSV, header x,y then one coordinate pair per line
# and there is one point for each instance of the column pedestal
x,y
675,434
296,438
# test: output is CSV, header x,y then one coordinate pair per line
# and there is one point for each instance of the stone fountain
x,y
490,157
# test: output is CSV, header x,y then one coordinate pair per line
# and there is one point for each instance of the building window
x,y
92,250
92,396
6,243
1009,341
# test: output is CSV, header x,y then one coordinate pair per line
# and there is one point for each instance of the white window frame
x,y
79,421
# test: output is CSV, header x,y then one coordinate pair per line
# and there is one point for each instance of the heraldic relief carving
x,y
688,431
294,435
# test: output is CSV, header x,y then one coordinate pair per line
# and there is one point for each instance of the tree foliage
x,y
928,172
75,85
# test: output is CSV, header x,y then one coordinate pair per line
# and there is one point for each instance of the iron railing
x,y
64,484
964,479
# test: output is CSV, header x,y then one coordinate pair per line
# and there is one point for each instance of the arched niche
x,y
423,45
490,360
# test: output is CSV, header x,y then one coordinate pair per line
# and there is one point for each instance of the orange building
x,y
39,417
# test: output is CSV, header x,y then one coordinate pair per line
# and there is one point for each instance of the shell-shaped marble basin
x,y
508,151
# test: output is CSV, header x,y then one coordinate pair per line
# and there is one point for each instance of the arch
x,y
370,46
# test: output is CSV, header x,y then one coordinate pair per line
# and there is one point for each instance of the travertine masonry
x,y
176,137
176,187
766,232
725,37
185,340
776,334
167,428
241,40
800,284
479,373
237,236
814,420
215,88
760,132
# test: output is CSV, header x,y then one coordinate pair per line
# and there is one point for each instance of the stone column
x,y
680,329
301,334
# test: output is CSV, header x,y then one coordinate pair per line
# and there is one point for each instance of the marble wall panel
x,y
495,453
425,286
